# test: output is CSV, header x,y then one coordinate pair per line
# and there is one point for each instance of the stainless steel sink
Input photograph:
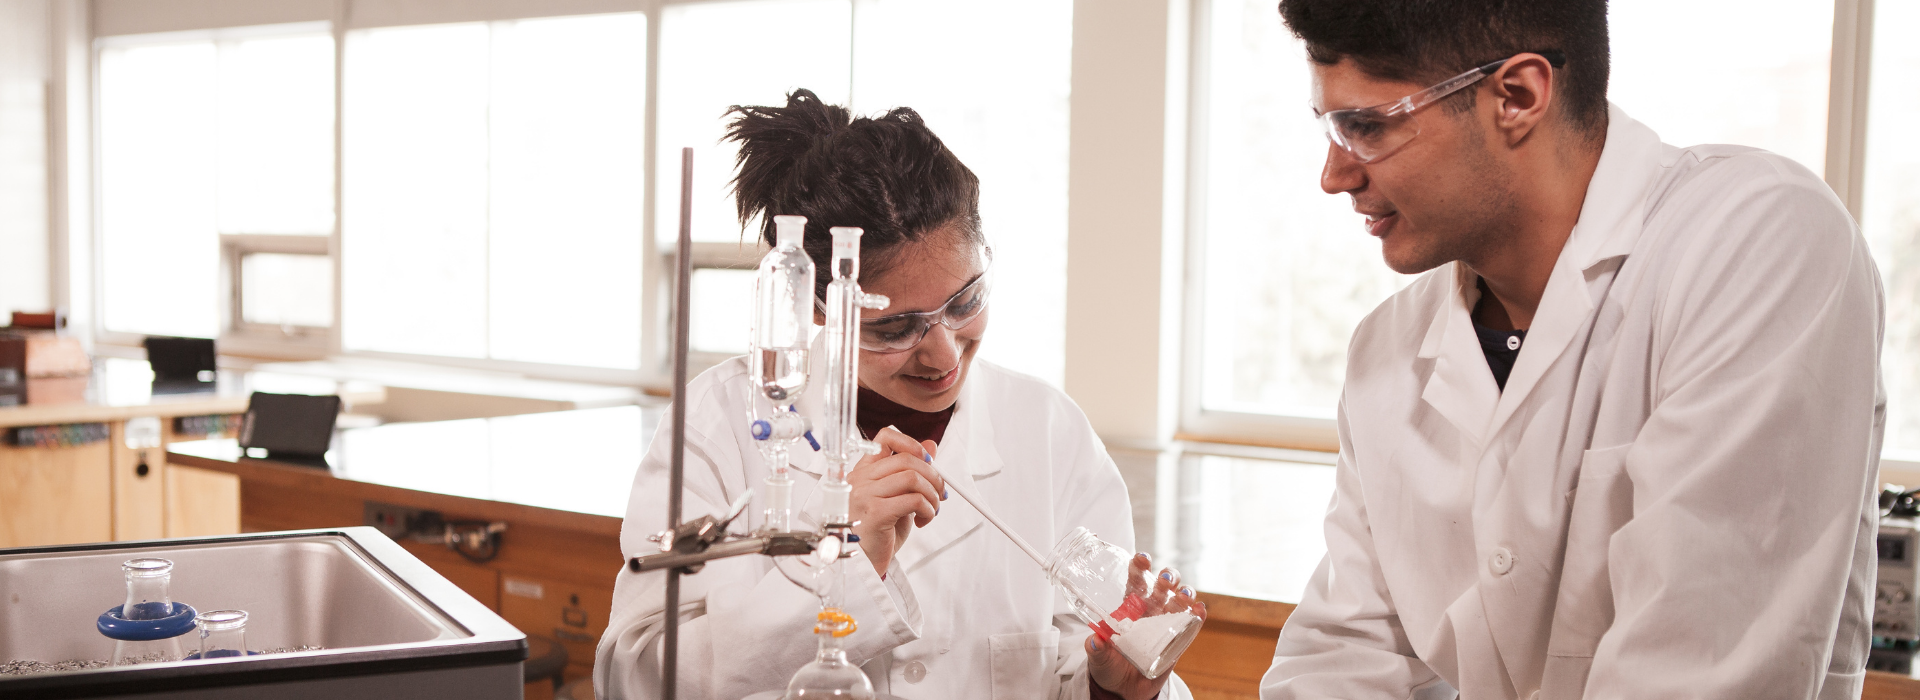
x,y
388,625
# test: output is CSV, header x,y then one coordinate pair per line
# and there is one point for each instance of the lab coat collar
x,y
1460,386
1611,218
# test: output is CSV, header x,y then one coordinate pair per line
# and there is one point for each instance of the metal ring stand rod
x,y
683,272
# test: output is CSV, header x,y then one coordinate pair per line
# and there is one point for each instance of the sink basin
x,y
387,625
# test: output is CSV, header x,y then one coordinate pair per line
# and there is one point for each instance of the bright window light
x,y
1769,62
714,55
1020,53
1891,214
200,138
414,239
278,289
493,190
1289,270
568,141
721,310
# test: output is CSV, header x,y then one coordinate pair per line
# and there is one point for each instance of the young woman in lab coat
x,y
947,607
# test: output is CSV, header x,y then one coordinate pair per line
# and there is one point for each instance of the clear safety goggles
x,y
1372,133
901,332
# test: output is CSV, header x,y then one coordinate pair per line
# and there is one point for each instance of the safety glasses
x,y
1372,133
901,332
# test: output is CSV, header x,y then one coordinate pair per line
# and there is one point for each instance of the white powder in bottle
x,y
1145,639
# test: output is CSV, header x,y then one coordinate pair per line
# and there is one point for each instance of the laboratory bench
x,y
557,481
83,459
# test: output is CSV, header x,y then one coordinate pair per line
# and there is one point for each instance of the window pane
x,y
199,138
1289,269
276,136
160,252
1769,72
722,310
940,58
715,55
567,135
1890,216
415,200
286,290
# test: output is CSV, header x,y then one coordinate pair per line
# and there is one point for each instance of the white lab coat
x,y
1672,497
962,612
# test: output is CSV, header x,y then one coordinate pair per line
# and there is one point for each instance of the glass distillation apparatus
x,y
778,364
831,674
777,361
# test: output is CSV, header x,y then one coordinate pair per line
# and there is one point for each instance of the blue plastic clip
x,y
809,434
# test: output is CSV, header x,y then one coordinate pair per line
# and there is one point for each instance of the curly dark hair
x,y
1427,41
889,175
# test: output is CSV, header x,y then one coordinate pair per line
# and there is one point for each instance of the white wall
x,y
25,79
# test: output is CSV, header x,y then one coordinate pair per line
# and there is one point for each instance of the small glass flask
x,y
148,599
1121,603
223,633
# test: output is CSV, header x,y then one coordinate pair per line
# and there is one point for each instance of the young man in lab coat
x,y
1621,439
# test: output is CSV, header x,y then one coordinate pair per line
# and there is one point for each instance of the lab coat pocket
x,y
1023,663
1600,504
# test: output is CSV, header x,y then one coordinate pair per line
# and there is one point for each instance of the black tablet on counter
x,y
289,425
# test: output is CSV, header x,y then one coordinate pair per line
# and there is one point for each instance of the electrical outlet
x,y
397,522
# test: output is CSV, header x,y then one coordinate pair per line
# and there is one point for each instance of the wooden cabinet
x,y
139,487
56,495
111,489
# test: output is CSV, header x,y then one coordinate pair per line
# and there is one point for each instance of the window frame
x,y
133,22
251,339
1848,88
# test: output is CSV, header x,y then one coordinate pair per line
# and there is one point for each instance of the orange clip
x,y
843,624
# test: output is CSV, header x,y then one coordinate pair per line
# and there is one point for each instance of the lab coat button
x,y
1513,342
1501,562
916,672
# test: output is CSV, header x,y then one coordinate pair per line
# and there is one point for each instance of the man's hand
x,y
1110,670
893,492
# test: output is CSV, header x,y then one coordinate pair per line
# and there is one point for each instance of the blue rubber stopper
x,y
116,627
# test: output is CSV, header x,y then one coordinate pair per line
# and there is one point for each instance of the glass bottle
x,y
223,633
1121,603
148,599
831,674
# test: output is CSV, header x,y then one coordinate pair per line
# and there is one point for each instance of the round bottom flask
x,y
831,675
1121,603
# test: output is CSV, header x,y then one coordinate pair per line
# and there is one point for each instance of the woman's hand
x,y
1113,672
893,492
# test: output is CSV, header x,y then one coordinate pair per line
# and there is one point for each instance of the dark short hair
x,y
889,175
1427,41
